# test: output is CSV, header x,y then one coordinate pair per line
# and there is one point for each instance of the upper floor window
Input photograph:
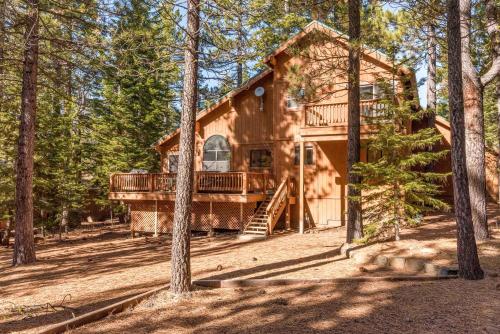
x,y
308,155
261,158
367,92
173,163
216,154
293,102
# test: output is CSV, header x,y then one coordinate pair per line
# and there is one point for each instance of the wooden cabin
x,y
266,156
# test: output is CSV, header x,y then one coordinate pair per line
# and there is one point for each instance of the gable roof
x,y
224,99
329,31
268,60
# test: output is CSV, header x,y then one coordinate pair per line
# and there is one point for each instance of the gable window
x,y
308,155
261,158
293,102
216,154
173,163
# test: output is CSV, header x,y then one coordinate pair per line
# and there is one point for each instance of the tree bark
x,y
497,93
474,128
3,9
431,75
468,261
24,245
354,219
181,265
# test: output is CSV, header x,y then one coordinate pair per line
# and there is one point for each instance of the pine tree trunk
x,y
354,222
498,136
239,62
468,261
181,265
24,245
474,128
3,8
431,76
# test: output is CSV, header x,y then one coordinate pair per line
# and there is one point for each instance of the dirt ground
x,y
93,269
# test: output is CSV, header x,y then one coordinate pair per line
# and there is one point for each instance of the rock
x,y
381,260
413,265
219,267
431,268
360,258
397,263
254,259
429,251
363,269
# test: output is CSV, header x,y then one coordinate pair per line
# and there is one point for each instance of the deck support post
x,y
301,187
241,217
156,219
287,222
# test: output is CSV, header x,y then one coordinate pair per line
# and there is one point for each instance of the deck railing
x,y
204,182
331,114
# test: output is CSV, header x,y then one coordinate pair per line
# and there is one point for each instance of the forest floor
x,y
89,270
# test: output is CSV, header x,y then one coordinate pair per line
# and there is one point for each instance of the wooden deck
x,y
240,187
328,121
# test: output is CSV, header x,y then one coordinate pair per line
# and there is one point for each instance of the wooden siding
x,y
279,129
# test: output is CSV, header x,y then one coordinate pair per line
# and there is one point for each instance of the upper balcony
x,y
330,119
242,187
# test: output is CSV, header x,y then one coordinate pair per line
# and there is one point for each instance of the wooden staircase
x,y
269,211
258,224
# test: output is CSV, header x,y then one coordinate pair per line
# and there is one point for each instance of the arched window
x,y
216,154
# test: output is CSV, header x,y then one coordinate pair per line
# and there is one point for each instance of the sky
x,y
422,73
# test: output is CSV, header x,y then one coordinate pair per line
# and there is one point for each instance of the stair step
x,y
255,232
256,228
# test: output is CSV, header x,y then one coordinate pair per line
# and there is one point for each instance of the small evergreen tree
x,y
396,188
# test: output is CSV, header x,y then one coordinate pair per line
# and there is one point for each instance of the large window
x,y
308,155
261,158
173,163
216,154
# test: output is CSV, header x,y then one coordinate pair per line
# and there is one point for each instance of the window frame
x,y
218,163
254,150
307,147
169,162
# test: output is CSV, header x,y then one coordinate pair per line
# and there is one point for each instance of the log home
x,y
265,156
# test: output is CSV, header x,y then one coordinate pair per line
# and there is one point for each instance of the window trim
x,y
307,146
216,161
260,149
173,153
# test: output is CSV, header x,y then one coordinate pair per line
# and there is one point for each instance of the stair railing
x,y
277,204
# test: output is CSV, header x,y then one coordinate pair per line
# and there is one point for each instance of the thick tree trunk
x,y
474,128
498,136
3,8
354,219
24,245
431,75
468,261
181,262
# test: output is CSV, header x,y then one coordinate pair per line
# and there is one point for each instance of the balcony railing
x,y
204,182
331,114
